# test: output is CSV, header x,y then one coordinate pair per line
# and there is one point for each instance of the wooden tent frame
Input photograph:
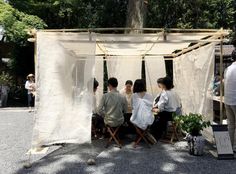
x,y
218,35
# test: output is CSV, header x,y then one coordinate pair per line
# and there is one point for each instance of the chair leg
x,y
113,136
174,135
140,136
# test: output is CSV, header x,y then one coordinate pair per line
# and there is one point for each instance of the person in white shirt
x,y
30,86
164,108
157,98
142,115
230,99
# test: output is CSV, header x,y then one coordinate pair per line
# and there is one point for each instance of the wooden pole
x,y
123,29
221,79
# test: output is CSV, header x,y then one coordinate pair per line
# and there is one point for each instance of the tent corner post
x,y
221,77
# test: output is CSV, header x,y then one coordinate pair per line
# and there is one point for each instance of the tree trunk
x,y
136,13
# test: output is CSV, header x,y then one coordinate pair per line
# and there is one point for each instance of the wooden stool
x,y
172,133
140,135
113,131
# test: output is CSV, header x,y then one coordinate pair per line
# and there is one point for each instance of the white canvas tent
x,y
67,60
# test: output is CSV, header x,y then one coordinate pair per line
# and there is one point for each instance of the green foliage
x,y
113,13
191,14
6,78
192,123
16,23
76,13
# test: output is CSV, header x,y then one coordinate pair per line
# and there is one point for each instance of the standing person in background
x,y
127,92
30,86
230,99
4,90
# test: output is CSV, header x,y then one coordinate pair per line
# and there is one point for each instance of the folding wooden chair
x,y
172,133
140,135
113,131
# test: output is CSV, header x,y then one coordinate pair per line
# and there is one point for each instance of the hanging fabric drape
x,y
64,78
154,69
124,68
66,66
193,76
99,71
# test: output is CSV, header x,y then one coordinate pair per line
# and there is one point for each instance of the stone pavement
x,y
16,131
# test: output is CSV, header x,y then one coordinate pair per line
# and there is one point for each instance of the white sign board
x,y
223,143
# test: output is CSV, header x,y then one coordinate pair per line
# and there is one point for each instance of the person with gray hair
x,y
230,99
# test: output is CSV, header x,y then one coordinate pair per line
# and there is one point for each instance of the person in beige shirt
x,y
127,92
113,105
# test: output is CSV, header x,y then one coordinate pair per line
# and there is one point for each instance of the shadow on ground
x,y
161,158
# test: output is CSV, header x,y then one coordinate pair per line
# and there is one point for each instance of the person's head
x,y
233,55
30,77
160,83
112,83
128,85
139,86
95,85
167,83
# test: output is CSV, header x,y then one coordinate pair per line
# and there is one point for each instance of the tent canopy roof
x,y
152,42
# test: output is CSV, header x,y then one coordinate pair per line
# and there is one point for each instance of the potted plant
x,y
193,124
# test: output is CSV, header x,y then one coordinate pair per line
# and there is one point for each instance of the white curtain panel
x,y
99,71
193,76
155,69
124,68
64,80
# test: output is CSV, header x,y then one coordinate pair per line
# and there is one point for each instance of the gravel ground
x,y
16,131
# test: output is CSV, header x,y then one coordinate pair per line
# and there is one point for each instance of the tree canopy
x,y
113,13
191,14
16,23
76,13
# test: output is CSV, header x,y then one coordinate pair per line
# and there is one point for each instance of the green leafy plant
x,y
192,123
6,78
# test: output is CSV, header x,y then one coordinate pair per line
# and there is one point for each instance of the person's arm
x,y
161,103
132,102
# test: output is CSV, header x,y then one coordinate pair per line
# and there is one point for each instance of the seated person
x,y
159,84
168,103
112,105
127,92
142,106
97,120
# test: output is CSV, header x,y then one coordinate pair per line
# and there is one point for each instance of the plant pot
x,y
196,145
